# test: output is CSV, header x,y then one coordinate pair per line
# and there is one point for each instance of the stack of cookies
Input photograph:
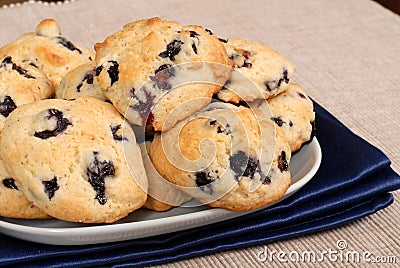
x,y
159,114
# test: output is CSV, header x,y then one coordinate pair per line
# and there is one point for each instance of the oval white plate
x,y
145,223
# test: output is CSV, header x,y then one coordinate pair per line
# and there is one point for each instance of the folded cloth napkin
x,y
353,181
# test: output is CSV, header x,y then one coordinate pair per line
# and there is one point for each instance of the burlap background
x,y
346,55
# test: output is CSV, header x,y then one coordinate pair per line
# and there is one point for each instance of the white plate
x,y
145,223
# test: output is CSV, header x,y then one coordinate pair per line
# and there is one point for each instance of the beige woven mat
x,y
346,54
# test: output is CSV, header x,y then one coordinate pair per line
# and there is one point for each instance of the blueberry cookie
x,y
162,195
68,159
20,84
293,112
257,63
47,50
153,66
80,82
13,203
229,157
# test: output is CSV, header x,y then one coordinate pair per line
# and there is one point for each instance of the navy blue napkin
x,y
354,180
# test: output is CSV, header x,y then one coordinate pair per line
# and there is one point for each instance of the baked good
x,y
260,72
293,111
225,156
162,195
13,203
20,84
68,157
47,50
153,66
80,82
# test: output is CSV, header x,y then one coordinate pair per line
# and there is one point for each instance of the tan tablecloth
x,y
346,55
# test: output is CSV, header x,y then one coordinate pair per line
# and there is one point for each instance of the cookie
x,y
20,84
162,195
47,50
260,72
225,156
68,157
153,66
13,203
80,82
293,111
